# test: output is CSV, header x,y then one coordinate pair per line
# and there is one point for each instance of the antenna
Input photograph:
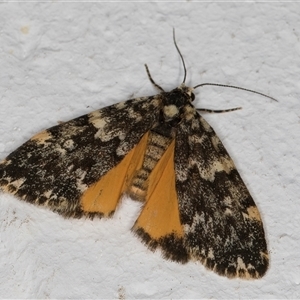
x,y
236,87
180,56
152,81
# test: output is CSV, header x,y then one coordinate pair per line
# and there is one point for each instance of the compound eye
x,y
193,96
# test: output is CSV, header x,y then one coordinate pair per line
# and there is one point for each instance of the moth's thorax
x,y
176,105
175,102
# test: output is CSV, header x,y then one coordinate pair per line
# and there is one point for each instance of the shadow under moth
x,y
158,150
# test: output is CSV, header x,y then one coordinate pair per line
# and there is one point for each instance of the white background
x,y
62,60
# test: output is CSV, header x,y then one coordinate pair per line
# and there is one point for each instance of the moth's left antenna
x,y
180,56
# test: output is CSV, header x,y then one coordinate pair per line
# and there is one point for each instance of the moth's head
x,y
175,101
188,91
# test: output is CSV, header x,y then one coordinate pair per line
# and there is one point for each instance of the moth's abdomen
x,y
157,144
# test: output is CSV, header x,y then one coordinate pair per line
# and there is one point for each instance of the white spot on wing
x,y
253,213
69,144
99,123
80,174
210,253
42,137
17,183
208,172
206,126
47,194
121,105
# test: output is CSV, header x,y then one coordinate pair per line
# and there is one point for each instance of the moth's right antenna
x,y
180,56
235,87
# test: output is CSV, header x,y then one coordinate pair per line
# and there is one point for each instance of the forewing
x,y
222,225
55,167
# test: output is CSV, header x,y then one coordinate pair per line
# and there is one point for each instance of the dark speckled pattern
x,y
221,224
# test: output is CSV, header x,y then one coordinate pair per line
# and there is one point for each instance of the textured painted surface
x,y
60,61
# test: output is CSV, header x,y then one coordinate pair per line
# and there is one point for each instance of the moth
x,y
160,151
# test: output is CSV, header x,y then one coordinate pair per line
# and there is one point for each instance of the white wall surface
x,y
62,60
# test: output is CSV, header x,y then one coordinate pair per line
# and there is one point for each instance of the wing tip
x,y
238,269
172,248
